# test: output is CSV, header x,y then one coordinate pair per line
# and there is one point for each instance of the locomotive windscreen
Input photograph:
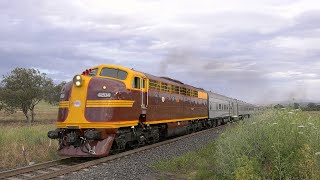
x,y
114,73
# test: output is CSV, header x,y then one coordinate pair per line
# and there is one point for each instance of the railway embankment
x,y
279,144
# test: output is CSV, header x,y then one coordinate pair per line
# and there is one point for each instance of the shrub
x,y
278,144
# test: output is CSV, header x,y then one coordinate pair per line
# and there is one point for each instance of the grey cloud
x,y
228,52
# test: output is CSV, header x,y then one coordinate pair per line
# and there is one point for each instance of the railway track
x,y
64,166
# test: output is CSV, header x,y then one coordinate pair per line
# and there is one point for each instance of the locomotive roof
x,y
168,80
171,81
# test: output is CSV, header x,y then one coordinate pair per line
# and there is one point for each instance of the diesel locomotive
x,y
109,108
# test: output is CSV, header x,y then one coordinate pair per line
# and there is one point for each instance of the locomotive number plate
x,y
104,95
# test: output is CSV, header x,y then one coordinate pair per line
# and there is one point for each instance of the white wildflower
x,y
290,112
274,123
254,123
301,126
317,153
311,124
293,123
300,132
309,118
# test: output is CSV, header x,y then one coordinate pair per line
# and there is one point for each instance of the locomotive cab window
x,y
114,73
136,83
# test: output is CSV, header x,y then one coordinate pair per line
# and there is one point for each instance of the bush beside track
x,y
279,144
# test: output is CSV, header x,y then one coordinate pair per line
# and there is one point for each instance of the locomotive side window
x,y
136,83
183,90
176,89
143,83
114,73
164,87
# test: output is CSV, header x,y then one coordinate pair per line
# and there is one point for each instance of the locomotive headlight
x,y
77,80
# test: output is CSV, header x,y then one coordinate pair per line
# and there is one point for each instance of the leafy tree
x,y
296,105
278,106
54,97
22,89
312,107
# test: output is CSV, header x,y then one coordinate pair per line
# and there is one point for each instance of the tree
x,y
22,89
312,106
278,106
296,105
54,97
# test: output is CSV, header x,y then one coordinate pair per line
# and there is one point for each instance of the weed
x,y
273,145
21,145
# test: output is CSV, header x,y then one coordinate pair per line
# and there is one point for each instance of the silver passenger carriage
x,y
224,109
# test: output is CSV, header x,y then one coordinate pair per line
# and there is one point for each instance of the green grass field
x,y
274,145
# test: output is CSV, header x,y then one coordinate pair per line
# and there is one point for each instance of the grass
x,y
21,145
274,145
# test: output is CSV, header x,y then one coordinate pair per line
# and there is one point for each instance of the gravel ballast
x,y
138,166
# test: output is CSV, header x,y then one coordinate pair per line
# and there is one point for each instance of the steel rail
x,y
18,171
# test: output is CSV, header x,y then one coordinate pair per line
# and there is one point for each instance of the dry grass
x,y
44,114
21,145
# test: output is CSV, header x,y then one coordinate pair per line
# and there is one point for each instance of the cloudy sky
x,y
258,51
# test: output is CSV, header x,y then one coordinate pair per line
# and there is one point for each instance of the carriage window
x,y
136,83
114,73
220,107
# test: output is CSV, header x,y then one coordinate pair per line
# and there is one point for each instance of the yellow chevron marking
x,y
100,125
109,103
64,104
